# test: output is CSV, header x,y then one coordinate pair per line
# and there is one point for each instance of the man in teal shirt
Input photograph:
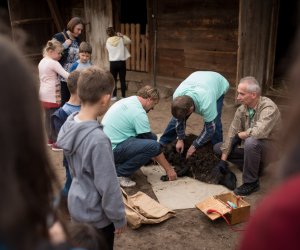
x,y
127,126
203,93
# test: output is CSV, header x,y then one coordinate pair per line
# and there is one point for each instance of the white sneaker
x,y
126,182
114,98
55,148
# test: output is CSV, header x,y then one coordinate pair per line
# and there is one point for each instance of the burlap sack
x,y
142,209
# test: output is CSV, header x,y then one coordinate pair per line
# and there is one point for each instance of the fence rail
x,y
139,47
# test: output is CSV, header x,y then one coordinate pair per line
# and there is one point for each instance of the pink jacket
x,y
49,70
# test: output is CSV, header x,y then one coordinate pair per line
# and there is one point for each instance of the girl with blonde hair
x,y
49,70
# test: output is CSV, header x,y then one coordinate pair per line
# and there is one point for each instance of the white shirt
x,y
116,48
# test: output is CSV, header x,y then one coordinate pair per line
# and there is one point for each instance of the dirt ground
x,y
190,229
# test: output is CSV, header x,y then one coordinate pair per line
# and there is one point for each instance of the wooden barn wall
x,y
98,15
70,8
31,27
257,40
197,35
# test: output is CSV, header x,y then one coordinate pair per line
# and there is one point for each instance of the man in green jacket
x,y
251,135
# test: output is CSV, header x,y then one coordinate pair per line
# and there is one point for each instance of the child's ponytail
x,y
52,45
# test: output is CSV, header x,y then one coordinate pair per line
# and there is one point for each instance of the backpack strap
x,y
63,33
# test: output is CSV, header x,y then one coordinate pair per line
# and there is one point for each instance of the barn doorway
x,y
130,18
286,34
134,12
4,18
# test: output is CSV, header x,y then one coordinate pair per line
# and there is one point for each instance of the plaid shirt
x,y
206,134
265,123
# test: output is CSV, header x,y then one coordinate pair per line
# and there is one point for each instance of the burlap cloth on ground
x,y
142,209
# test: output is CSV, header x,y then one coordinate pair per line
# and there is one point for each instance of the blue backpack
x,y
58,118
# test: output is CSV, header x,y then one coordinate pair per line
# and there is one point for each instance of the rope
x,y
209,211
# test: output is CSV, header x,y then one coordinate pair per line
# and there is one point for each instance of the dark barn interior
x,y
238,38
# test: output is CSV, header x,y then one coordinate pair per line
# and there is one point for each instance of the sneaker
x,y
49,143
247,188
114,98
126,182
55,148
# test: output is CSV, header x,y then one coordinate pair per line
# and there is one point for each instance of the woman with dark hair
x,y
70,41
27,180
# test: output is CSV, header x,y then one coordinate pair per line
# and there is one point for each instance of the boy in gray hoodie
x,y
95,196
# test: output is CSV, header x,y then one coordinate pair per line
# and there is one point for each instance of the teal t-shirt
x,y
205,88
125,118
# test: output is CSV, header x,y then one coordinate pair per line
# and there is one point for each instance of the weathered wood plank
x,y
127,33
197,35
206,39
143,54
147,47
32,21
132,47
257,49
96,33
210,59
55,13
138,42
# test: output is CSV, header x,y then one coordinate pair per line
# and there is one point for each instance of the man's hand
x,y
236,140
172,174
120,230
222,166
180,146
191,150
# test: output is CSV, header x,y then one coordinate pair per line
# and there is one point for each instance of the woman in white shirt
x,y
118,54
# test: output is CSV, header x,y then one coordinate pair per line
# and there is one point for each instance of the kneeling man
x,y
126,124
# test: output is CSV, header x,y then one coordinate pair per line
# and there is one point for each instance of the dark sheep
x,y
201,165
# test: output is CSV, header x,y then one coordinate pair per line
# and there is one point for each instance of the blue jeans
x,y
218,135
170,134
133,153
68,181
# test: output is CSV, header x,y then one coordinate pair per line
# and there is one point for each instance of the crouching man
x,y
255,127
127,125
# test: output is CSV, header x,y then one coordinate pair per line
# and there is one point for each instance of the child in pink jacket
x,y
49,70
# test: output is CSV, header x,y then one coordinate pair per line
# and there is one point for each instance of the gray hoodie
x,y
95,195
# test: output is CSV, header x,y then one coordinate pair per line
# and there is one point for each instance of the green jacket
x,y
266,123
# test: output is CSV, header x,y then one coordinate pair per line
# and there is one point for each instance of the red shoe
x,y
50,143
55,148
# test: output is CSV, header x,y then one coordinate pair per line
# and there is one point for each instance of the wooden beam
x,y
55,14
31,20
33,55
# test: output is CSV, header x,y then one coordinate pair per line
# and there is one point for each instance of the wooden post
x,y
147,50
138,41
122,28
55,13
132,29
143,57
127,33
